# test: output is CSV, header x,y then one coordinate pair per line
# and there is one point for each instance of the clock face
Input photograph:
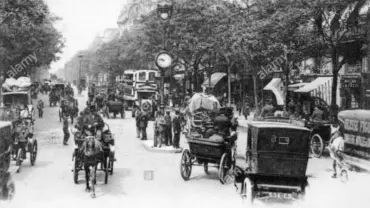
x,y
164,60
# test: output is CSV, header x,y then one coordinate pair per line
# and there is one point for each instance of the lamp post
x,y
79,71
164,60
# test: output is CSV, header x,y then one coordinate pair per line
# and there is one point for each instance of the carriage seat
x,y
207,141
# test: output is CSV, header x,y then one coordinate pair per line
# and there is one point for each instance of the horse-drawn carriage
x,y
104,158
7,187
276,161
210,139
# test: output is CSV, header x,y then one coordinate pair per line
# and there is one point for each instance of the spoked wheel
x,y
106,170
33,153
225,166
75,171
186,165
317,145
247,192
111,164
19,157
206,168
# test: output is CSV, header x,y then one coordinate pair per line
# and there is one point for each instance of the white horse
x,y
336,146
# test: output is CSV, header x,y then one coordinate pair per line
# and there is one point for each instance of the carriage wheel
x,y
225,165
317,145
33,154
247,192
106,170
206,168
19,157
186,165
111,164
75,171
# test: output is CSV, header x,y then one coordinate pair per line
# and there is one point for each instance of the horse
x,y
335,147
93,152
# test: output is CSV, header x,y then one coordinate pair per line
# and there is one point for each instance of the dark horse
x,y
93,153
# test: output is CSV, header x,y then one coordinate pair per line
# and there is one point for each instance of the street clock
x,y
163,60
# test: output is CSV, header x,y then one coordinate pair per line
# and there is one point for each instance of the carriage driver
x,y
92,117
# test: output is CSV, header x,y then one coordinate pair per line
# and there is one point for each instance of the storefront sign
x,y
359,128
349,81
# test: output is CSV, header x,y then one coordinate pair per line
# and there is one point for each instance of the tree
x,y
27,29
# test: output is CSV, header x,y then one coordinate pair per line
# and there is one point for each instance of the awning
x,y
314,84
320,87
296,86
215,78
275,85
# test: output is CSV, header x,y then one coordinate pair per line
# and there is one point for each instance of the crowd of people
x,y
166,129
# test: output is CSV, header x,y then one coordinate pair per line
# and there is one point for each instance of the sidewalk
x,y
148,144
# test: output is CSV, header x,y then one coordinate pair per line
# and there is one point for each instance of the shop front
x,y
350,91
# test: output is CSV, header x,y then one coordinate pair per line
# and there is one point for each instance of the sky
x,y
81,21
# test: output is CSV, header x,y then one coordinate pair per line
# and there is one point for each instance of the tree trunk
x,y
334,61
255,91
229,85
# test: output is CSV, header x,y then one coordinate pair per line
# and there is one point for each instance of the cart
x,y
276,161
24,142
115,107
203,152
107,161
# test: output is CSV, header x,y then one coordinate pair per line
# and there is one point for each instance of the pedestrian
x,y
138,115
239,107
40,108
143,124
168,129
160,124
176,129
65,130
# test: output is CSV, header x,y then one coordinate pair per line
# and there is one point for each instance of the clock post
x,y
163,62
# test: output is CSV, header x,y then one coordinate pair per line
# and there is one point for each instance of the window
x,y
151,76
142,76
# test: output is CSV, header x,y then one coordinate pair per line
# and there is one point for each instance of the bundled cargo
x,y
21,84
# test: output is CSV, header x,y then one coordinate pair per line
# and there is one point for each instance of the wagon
x,y
107,159
116,107
203,152
276,161
24,142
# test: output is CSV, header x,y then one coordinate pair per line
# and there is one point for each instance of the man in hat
x,y
317,114
168,129
143,124
176,129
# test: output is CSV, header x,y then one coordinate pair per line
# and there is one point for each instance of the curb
x,y
157,150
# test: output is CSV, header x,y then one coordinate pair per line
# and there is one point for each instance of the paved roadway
x,y
50,182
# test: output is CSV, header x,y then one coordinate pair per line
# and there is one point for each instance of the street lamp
x,y
79,71
164,59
